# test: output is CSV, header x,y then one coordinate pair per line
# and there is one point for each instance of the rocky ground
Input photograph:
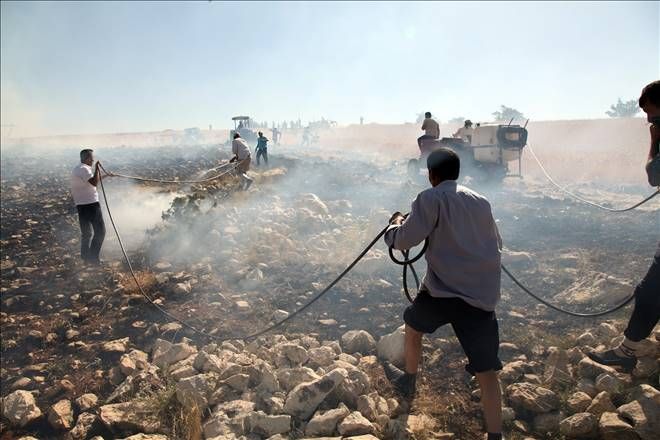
x,y
84,355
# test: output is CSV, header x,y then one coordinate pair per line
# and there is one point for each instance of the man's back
x,y
431,127
262,143
464,245
240,148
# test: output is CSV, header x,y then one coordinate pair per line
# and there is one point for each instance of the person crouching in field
x,y
462,283
241,153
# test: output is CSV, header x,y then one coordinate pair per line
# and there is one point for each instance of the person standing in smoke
x,y
84,179
262,149
241,153
462,282
646,311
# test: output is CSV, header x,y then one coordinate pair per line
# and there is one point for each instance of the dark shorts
x,y
476,329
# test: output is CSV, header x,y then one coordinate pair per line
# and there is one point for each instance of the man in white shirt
x,y
241,152
462,282
431,129
86,198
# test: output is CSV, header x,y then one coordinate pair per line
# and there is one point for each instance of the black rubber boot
x,y
403,382
611,359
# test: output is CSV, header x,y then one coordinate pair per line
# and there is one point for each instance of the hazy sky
x,y
110,67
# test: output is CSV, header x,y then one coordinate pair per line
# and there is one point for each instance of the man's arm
x,y
413,230
653,165
95,178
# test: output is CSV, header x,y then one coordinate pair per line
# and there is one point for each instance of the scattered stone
x,y
303,400
165,354
390,347
532,397
643,412
196,390
325,423
147,437
238,382
60,415
116,346
580,425
547,423
267,425
610,383
590,369
87,402
84,426
133,416
20,408
611,427
601,403
579,402
556,371
358,341
355,424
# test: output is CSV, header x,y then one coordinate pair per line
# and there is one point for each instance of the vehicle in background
x,y
243,126
487,157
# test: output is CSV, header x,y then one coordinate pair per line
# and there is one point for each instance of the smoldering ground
x,y
233,262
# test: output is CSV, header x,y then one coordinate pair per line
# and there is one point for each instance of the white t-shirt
x,y
240,148
83,192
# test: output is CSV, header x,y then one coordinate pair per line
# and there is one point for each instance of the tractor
x,y
243,126
485,156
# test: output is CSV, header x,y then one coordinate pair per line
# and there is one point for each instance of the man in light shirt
x,y
241,152
462,282
431,129
84,179
646,313
465,132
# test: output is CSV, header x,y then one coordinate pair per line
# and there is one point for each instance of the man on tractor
x,y
431,130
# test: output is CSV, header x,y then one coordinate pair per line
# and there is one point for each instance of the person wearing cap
x,y
241,152
262,149
465,132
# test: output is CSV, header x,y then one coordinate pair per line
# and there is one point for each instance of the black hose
x,y
409,262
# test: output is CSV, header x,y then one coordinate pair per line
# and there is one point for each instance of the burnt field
x,y
231,263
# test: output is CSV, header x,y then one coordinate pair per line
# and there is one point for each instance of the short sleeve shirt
x,y
431,127
83,192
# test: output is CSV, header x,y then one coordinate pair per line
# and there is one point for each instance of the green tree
x,y
621,109
505,114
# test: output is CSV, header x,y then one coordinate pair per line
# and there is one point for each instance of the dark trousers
x,y
423,138
91,218
646,312
262,153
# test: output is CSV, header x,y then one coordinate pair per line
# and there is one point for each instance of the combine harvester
x,y
484,157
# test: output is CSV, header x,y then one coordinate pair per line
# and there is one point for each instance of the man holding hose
x,y
84,180
462,283
646,312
